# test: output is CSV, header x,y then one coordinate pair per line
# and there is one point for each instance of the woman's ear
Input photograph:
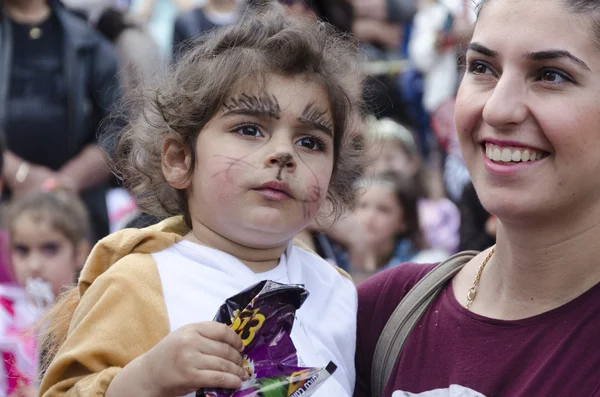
x,y
176,163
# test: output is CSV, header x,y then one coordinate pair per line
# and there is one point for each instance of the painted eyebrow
x,y
256,105
555,54
533,56
316,118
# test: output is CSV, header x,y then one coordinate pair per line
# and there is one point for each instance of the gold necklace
x,y
473,290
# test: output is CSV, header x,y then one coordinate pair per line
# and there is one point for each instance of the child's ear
x,y
176,163
82,251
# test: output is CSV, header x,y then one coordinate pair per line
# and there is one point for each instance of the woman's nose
x,y
506,105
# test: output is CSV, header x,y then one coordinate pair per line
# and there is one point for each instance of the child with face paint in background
x,y
48,243
247,137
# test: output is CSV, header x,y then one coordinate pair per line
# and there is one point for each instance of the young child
x,y
48,245
396,151
245,140
387,217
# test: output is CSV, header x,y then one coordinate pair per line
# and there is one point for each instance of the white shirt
x,y
197,280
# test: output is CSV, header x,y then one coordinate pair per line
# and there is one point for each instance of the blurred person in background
x,y
387,218
393,152
138,53
437,30
91,9
48,245
159,17
398,11
191,23
141,62
396,150
383,27
57,82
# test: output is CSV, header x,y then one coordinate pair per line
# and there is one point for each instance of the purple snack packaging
x,y
263,316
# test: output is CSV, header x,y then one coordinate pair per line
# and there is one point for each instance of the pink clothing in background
x,y
440,223
17,340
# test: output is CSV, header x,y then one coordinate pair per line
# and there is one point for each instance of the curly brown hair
x,y
265,41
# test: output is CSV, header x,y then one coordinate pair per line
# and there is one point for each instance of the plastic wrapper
x,y
263,317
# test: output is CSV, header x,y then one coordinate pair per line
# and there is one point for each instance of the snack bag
x,y
263,316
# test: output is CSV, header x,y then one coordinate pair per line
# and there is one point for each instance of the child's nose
x,y
34,265
281,159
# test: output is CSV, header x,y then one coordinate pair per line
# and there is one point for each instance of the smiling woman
x,y
521,318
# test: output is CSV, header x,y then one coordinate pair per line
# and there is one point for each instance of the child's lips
x,y
273,194
275,191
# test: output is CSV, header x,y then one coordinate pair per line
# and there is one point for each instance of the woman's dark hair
x,y
265,41
582,7
112,23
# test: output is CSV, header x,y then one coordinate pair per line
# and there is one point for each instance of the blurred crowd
x,y
64,67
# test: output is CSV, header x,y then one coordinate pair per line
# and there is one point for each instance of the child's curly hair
x,y
265,41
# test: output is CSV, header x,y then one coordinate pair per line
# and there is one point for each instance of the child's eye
x,y
384,210
20,250
312,143
50,249
248,130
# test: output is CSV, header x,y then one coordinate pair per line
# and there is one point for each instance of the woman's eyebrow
x,y
480,48
262,105
555,54
316,118
533,56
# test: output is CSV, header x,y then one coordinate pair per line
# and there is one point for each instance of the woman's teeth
x,y
511,154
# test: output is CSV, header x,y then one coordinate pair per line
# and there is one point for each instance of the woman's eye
x,y
248,130
479,68
553,77
311,143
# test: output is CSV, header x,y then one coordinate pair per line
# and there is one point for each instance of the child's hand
x,y
194,357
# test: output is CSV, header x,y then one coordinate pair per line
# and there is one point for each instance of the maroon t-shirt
x,y
464,354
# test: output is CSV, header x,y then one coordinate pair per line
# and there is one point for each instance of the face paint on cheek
x,y
312,199
228,168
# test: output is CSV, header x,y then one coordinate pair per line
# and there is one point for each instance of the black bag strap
x,y
407,314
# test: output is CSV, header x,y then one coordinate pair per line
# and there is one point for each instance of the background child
x,y
387,217
396,151
48,245
245,140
